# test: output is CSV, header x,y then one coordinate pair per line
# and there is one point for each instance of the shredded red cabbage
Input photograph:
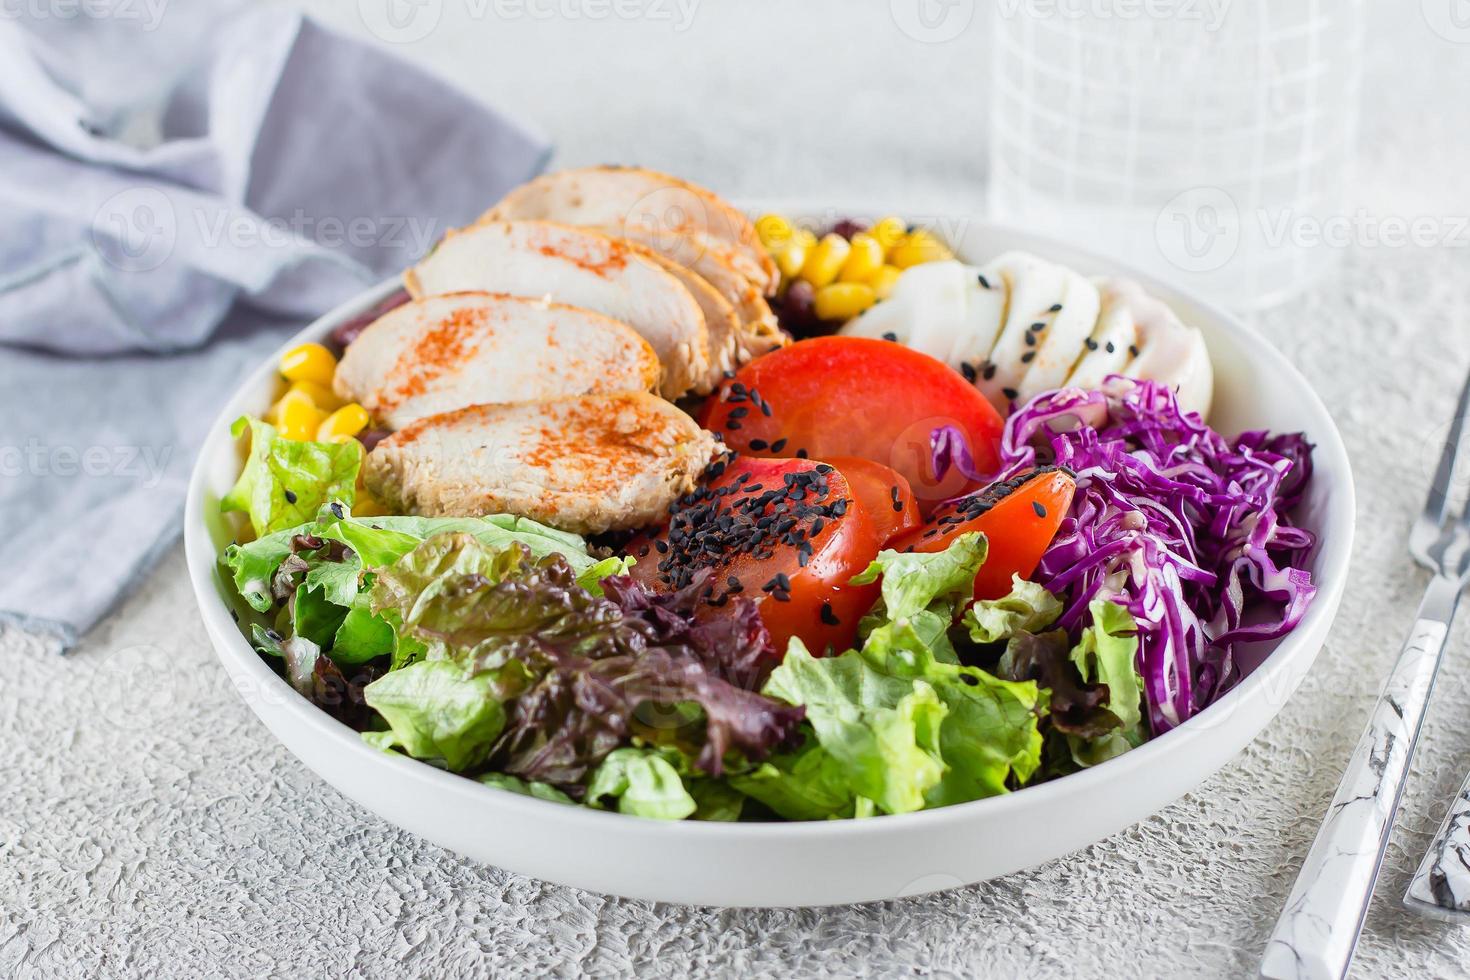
x,y
1186,529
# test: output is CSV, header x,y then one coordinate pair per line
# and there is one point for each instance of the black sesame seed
x,y
662,546
891,336
801,454
1031,340
337,511
1037,506
1028,357
988,371
1010,393
1091,344
968,370
1133,349
758,444
984,283
729,374
1056,307
290,497
739,413
778,445
1037,327
828,616
732,424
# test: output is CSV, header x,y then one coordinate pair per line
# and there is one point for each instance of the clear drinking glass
x,y
1207,141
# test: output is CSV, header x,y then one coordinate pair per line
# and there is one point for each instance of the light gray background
x,y
149,826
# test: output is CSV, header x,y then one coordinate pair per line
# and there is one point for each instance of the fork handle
x,y
1318,928
1441,886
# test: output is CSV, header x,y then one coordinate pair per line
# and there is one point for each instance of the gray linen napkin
x,y
283,168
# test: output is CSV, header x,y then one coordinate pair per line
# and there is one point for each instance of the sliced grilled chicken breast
x,y
589,464
641,204
441,353
580,267
759,332
721,323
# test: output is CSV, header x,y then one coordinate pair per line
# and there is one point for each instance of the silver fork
x,y
1319,926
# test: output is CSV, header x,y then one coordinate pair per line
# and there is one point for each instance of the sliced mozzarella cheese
x,y
1059,344
1037,293
939,308
1114,340
1169,352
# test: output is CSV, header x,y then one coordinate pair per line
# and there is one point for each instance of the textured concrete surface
x,y
149,826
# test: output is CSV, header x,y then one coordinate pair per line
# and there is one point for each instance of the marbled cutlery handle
x,y
1441,886
1314,938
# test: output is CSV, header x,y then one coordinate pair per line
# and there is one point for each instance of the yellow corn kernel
x,y
321,396
889,232
918,247
297,418
843,300
884,280
343,424
791,257
863,261
774,231
367,505
309,362
825,261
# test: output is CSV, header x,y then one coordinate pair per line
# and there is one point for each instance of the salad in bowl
x,y
627,502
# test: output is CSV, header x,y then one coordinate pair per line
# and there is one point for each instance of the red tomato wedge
x,y
854,396
1018,517
883,492
784,532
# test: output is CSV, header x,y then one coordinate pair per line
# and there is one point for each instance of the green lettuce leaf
x,y
883,731
285,481
1028,607
808,784
914,582
541,791
642,783
715,800
989,733
1107,654
362,636
436,711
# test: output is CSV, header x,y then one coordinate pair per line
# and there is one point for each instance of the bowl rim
x,y
1333,557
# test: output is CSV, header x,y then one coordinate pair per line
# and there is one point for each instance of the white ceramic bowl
x,y
835,862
